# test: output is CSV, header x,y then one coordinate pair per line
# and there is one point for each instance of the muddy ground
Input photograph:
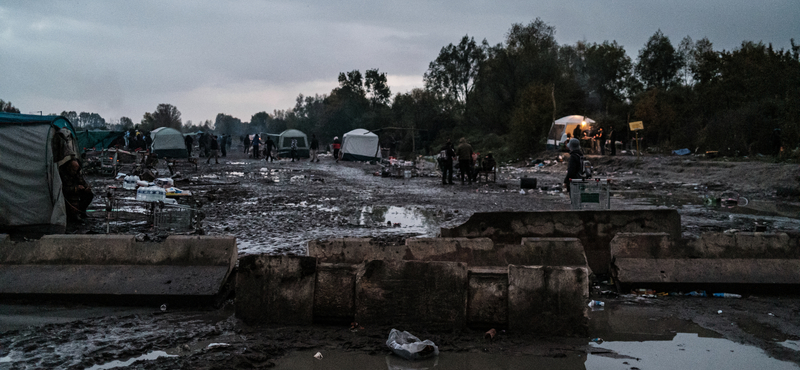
x,y
278,207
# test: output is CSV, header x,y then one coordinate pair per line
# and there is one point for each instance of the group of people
x,y
136,140
598,138
469,162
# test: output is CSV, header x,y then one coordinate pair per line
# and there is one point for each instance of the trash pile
x,y
156,191
399,168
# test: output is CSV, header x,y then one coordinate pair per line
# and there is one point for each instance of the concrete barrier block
x,y
334,292
71,249
708,270
642,245
354,250
745,245
433,294
196,250
548,300
276,289
547,252
448,249
487,304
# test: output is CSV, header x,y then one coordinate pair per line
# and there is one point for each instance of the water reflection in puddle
x,y
406,219
114,364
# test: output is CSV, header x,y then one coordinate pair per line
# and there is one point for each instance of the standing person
x,y
188,141
337,145
201,142
214,150
148,141
246,144
577,132
256,142
77,193
575,162
464,152
612,135
293,149
447,155
223,144
270,145
601,136
314,147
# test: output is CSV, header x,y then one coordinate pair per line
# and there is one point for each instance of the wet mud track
x,y
277,208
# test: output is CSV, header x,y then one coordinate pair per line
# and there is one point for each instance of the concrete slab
x,y
275,289
548,300
334,292
708,270
353,250
487,304
470,251
595,229
430,294
117,265
548,252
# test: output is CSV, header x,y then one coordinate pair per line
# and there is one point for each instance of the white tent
x,y
564,125
168,142
360,145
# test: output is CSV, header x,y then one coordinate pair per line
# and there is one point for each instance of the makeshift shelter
x,y
283,142
168,142
97,139
360,145
31,149
564,125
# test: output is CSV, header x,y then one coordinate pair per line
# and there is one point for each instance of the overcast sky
x,y
123,58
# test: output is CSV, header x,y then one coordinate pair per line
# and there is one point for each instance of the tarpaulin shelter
x,y
283,142
31,149
168,142
564,125
97,139
360,145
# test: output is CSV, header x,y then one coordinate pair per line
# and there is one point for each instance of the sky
x,y
240,57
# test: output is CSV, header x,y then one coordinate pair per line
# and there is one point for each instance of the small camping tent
x,y
168,142
564,125
284,143
360,145
31,149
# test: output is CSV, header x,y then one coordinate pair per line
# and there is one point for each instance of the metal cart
x,y
590,194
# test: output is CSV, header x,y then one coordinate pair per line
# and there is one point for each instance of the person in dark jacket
x,y
77,193
447,163
246,142
575,162
189,142
464,152
256,143
268,147
314,148
223,144
214,149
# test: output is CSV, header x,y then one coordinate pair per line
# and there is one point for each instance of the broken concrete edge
x,y
707,271
177,250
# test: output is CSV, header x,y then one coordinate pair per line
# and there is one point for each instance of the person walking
x,y
337,145
269,146
223,144
246,144
446,155
188,141
293,149
574,169
313,148
464,152
213,149
256,142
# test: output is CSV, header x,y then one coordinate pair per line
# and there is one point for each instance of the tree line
x,y
504,97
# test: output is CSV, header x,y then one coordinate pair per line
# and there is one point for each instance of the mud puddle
x,y
407,219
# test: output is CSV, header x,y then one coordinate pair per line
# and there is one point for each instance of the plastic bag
x,y
409,347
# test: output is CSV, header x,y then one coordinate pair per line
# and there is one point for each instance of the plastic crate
x,y
590,194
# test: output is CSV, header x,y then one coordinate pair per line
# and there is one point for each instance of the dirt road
x,y
276,208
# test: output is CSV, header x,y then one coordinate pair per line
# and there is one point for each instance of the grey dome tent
x,y
31,149
168,142
283,142
360,145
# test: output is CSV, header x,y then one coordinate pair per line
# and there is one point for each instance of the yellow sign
x,y
635,126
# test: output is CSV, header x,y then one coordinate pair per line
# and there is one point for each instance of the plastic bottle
x,y
697,293
727,295
594,303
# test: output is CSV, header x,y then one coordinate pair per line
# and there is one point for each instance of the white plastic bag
x,y
409,347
